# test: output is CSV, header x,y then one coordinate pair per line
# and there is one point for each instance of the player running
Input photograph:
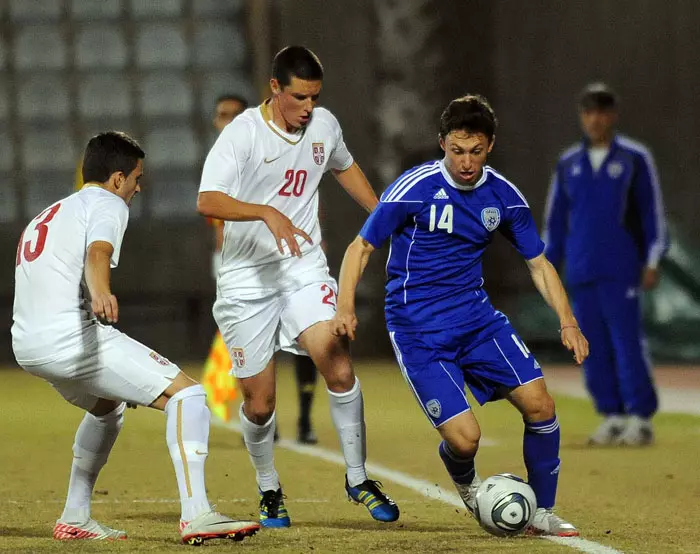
x,y
62,332
441,216
274,290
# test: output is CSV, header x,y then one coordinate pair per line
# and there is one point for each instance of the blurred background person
x,y
605,222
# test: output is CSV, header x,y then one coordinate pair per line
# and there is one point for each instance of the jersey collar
x,y
450,181
290,138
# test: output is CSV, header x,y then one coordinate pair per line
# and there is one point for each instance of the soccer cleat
x,y
380,506
306,435
273,512
90,530
608,432
213,525
637,432
546,522
468,493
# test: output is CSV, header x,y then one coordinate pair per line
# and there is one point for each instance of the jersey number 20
x,y
445,221
42,228
294,182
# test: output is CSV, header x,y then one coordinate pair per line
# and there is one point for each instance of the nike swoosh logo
x,y
200,453
272,160
222,523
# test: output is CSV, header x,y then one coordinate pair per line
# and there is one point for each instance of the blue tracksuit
x,y
607,226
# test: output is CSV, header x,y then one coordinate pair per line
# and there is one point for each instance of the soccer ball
x,y
505,505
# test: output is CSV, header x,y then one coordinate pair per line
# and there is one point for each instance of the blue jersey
x,y
608,224
439,230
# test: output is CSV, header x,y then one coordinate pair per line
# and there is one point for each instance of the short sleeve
x,y
387,218
520,229
226,159
340,158
107,222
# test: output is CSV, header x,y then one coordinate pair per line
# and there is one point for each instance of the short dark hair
x,y
597,96
296,61
108,153
234,97
471,113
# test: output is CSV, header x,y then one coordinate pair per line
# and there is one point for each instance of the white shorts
x,y
255,328
115,367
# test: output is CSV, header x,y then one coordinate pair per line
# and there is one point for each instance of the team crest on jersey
x,y
319,154
575,170
615,169
158,358
490,217
238,357
434,408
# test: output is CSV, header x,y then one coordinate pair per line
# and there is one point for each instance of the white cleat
x,y
609,431
468,493
213,525
546,522
637,432
90,530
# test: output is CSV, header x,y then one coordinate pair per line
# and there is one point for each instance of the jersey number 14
x,y
446,217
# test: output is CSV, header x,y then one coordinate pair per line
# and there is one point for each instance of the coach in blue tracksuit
x,y
605,222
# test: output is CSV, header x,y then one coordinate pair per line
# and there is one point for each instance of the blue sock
x,y
541,454
460,469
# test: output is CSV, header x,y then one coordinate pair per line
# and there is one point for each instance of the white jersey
x,y
255,161
52,314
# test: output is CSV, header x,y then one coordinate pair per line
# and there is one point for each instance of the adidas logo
x,y
441,195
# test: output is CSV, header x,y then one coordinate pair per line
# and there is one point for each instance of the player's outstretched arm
x,y
354,264
355,183
549,285
222,206
97,275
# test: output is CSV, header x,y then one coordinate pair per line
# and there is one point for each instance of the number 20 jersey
x,y
52,313
439,231
255,161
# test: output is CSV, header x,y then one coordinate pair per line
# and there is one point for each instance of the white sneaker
x,y
213,525
637,432
609,431
546,522
90,530
468,493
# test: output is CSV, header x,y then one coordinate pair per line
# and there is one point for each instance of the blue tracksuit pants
x,y
618,371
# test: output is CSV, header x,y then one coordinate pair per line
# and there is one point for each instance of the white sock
x,y
187,435
93,443
259,440
348,414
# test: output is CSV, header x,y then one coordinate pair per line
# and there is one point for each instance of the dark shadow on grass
x,y
407,527
25,532
172,518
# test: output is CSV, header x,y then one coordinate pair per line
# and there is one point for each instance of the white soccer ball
x,y
505,505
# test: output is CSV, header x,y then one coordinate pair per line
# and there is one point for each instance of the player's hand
x,y
344,323
105,307
283,230
650,278
575,342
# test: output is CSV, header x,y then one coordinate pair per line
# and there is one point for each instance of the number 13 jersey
x,y
52,314
255,161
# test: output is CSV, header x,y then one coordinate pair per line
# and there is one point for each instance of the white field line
x,y
426,488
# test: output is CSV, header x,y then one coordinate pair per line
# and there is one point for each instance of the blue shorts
x,y
437,365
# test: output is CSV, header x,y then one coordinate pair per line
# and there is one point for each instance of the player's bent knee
x,y
541,409
340,380
258,413
106,407
464,447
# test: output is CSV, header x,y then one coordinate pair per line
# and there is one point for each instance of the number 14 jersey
x,y
255,161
